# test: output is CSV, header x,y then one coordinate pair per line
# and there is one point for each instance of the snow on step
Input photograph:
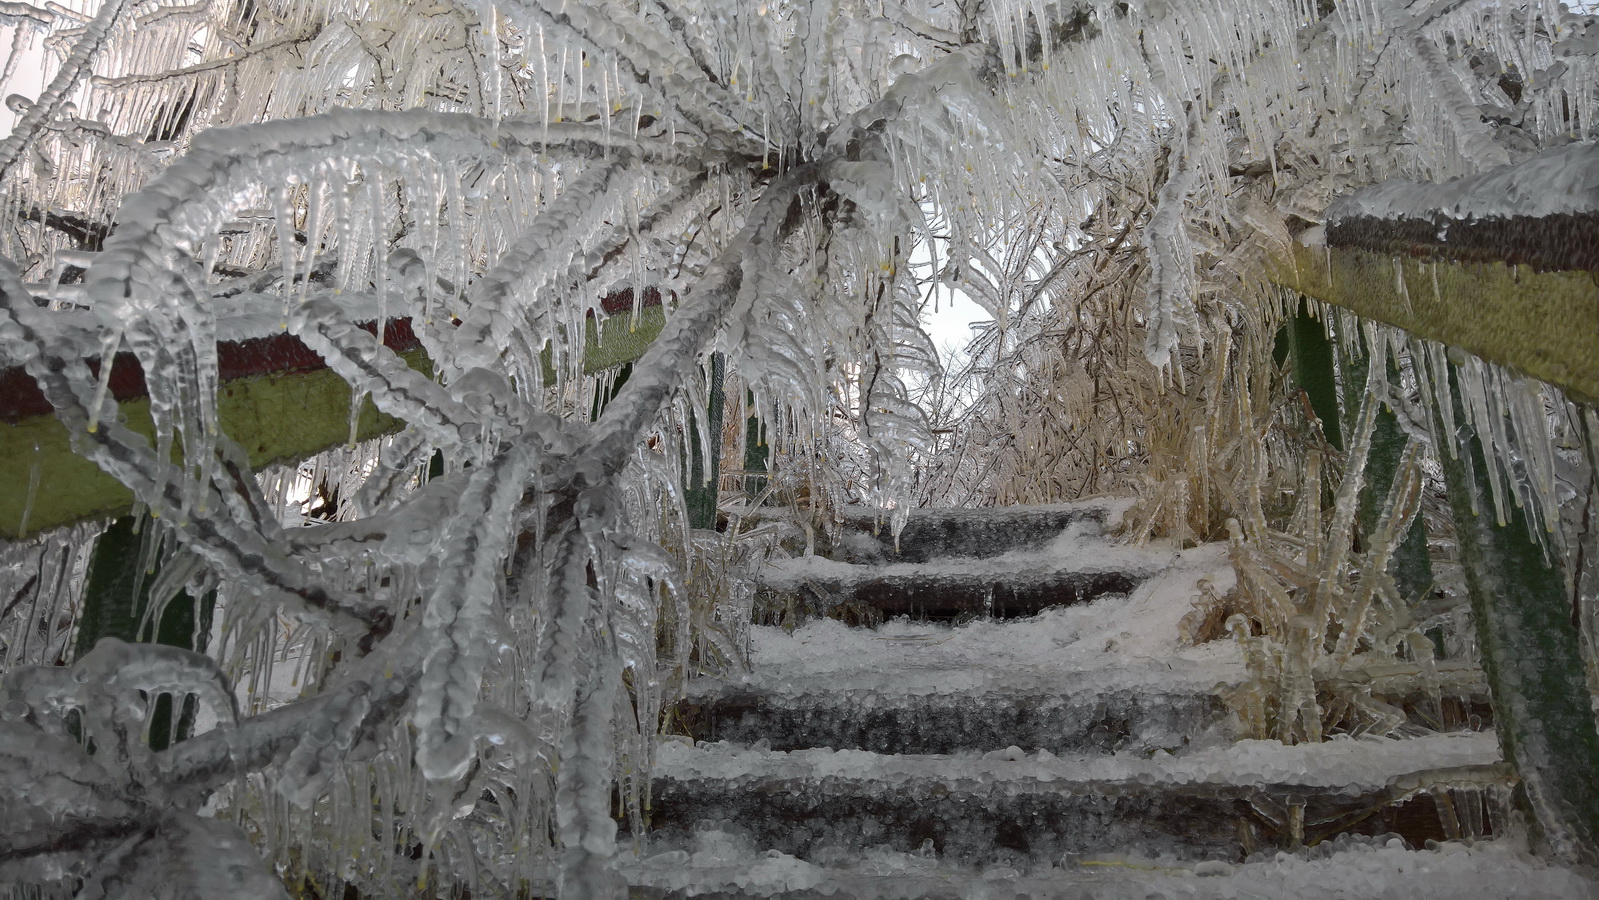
x,y
1074,719
933,534
1074,566
1009,807
1046,682
1107,675
722,865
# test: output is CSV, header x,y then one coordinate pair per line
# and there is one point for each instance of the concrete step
x,y
1073,566
942,596
933,535
826,807
1060,722
721,867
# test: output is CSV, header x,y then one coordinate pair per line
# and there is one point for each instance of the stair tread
x,y
937,533
1061,651
909,686
1350,765
1377,869
1101,508
827,806
1079,548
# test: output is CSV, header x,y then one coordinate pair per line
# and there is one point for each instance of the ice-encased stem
x,y
702,496
1530,650
457,618
1410,565
62,85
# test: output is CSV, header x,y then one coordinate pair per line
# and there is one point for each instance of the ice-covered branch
x,y
689,331
61,86
645,58
547,248
458,612
362,360
1171,260
1473,138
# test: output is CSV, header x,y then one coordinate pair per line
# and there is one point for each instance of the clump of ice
x,y
719,860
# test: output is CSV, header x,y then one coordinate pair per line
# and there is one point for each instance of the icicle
x,y
61,86
1170,307
458,611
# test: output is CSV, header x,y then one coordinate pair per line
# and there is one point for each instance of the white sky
x,y
950,325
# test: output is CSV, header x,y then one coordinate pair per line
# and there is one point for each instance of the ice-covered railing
x,y
1539,212
1498,263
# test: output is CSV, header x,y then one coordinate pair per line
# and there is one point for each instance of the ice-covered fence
x,y
278,400
1501,264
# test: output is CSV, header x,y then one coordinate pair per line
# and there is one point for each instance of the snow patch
x,y
1564,180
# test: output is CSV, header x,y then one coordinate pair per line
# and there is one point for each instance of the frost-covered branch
x,y
689,332
48,105
1171,268
646,59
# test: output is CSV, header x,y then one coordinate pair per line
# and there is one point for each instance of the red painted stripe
x,y
279,354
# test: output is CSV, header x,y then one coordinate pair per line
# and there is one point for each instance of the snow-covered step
x,y
720,865
1072,721
905,708
933,535
1012,808
1073,566
946,595
1099,677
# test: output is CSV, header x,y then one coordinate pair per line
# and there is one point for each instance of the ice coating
x,y
720,860
457,612
1558,180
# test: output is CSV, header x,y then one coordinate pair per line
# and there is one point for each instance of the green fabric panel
x,y
1531,654
1312,356
619,340
1544,324
275,418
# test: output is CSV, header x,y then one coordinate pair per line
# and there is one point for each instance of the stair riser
x,y
936,537
946,723
944,597
971,828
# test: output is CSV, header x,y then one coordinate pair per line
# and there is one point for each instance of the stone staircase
x,y
1009,714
